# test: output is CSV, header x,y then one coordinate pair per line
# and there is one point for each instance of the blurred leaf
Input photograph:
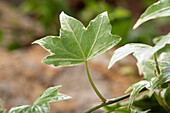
x,y
111,108
137,111
161,79
167,96
44,108
14,45
143,103
158,9
41,104
148,70
136,49
146,102
78,44
141,52
137,87
164,57
122,110
51,95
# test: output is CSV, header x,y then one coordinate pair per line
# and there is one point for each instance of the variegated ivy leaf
x,y
157,81
41,104
164,59
167,96
44,108
137,87
77,44
158,9
141,52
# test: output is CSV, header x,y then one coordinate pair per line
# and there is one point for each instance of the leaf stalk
x,y
157,66
93,85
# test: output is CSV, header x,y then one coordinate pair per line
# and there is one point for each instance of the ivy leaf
x,y
167,96
141,52
137,87
161,79
165,59
148,70
77,44
44,108
41,104
51,95
122,110
156,10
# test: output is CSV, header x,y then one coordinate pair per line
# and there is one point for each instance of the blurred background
x,y
22,75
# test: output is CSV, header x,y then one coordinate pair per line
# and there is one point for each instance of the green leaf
x,y
41,104
142,52
161,79
77,44
122,110
167,96
137,87
148,70
156,10
137,111
44,108
51,95
164,59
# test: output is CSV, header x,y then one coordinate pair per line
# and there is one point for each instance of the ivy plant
x,y
78,44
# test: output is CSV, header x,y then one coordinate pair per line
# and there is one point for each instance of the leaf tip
x,y
105,13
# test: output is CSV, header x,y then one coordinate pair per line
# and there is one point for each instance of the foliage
x,y
46,11
77,44
142,53
41,104
144,104
158,9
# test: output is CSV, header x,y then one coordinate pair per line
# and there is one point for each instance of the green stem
x,y
93,85
111,101
157,66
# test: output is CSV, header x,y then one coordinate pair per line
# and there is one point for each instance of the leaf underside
x,y
77,44
141,52
158,9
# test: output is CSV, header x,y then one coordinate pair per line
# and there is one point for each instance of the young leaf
x,y
161,79
158,9
122,110
137,87
44,108
51,95
77,44
148,70
165,59
41,104
141,51
167,96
